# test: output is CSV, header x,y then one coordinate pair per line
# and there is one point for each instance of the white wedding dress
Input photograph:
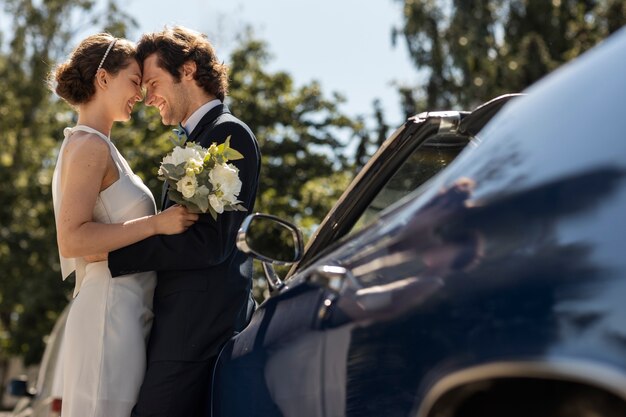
x,y
104,346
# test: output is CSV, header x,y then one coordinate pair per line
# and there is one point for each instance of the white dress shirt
x,y
195,118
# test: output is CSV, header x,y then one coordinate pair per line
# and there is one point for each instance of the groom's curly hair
x,y
177,45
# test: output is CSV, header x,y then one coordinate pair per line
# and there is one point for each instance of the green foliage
x,y
299,131
472,51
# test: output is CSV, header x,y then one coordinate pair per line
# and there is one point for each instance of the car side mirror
x,y
19,388
271,240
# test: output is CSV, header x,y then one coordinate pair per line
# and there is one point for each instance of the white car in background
x,y
42,398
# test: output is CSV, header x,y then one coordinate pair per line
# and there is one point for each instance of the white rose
x,y
183,155
201,151
187,186
216,203
226,177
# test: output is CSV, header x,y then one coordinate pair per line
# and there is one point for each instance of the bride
x,y
100,206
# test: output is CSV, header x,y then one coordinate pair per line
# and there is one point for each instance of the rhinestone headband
x,y
106,54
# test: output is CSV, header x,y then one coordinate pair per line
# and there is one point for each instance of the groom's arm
x,y
208,242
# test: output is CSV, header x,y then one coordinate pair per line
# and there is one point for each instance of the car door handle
x,y
333,278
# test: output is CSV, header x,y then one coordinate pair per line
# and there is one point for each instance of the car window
x,y
426,161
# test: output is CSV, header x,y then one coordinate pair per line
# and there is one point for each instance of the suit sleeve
x,y
208,242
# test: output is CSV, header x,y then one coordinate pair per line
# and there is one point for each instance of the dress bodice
x,y
126,199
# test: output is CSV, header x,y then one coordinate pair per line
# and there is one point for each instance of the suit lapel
x,y
206,123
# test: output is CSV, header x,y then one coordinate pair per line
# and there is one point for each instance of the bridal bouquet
x,y
201,179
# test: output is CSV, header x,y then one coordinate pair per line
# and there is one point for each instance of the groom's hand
x,y
96,258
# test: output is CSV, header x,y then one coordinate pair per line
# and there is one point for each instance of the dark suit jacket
x,y
203,280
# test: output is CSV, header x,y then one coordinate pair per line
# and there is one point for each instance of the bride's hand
x,y
175,219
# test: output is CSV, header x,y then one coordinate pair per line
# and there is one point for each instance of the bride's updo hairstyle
x,y
74,80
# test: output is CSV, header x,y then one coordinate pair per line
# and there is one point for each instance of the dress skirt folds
x,y
105,343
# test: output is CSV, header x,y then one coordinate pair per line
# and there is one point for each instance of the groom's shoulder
x,y
229,118
229,122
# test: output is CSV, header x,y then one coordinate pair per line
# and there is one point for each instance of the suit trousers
x,y
175,389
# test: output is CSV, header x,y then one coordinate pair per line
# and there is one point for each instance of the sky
x,y
343,44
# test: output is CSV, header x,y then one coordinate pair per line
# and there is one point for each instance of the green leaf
x,y
227,153
201,198
177,197
213,213
173,171
232,154
235,207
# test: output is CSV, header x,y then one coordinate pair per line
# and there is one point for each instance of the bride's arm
x,y
85,163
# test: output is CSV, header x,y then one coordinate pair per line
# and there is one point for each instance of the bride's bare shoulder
x,y
86,145
83,140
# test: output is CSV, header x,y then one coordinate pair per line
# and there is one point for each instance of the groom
x,y
203,293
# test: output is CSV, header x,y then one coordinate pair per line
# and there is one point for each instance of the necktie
x,y
181,135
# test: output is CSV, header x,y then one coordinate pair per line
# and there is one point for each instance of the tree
x,y
301,133
370,139
472,51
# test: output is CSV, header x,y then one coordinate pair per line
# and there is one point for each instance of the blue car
x,y
475,267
